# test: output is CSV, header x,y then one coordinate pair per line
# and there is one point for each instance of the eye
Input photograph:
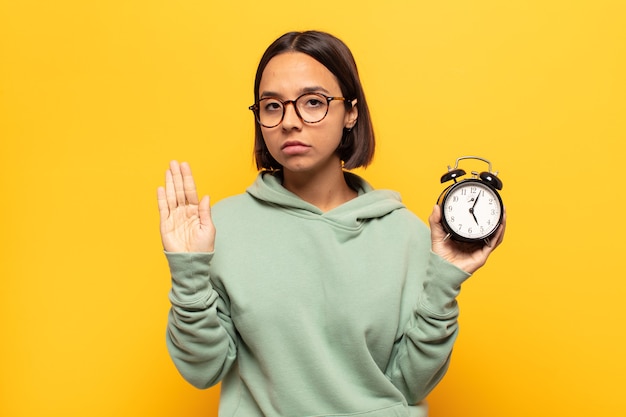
x,y
271,105
313,101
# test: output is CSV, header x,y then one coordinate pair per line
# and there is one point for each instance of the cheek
x,y
272,142
336,134
269,137
333,129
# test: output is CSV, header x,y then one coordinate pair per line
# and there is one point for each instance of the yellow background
x,y
97,96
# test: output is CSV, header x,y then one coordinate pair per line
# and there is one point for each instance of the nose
x,y
291,118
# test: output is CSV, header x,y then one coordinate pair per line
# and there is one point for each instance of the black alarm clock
x,y
471,209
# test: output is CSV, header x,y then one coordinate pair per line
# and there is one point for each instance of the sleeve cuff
x,y
442,286
190,276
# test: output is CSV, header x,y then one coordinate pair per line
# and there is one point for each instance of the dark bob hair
x,y
357,145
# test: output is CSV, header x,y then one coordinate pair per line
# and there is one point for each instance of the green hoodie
x,y
304,313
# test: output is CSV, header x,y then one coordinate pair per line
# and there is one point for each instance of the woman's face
x,y
298,146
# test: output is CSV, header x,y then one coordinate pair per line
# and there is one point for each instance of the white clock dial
x,y
472,210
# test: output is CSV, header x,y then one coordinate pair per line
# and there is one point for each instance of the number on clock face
x,y
472,210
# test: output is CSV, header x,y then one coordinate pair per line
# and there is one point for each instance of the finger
x,y
179,188
204,211
495,240
501,230
500,237
164,210
438,234
435,216
170,192
189,184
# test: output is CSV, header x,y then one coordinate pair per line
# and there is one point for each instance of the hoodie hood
x,y
369,204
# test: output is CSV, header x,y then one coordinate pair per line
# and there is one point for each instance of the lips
x,y
294,147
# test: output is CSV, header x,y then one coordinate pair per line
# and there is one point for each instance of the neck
x,y
325,190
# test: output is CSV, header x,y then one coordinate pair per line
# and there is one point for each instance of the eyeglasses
x,y
310,108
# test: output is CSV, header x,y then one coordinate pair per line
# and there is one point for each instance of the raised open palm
x,y
186,224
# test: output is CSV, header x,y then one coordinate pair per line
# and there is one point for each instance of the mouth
x,y
294,147
293,143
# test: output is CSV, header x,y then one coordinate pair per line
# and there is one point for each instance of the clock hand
x,y
471,210
475,201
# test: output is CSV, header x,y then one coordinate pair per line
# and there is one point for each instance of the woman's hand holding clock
x,y
467,256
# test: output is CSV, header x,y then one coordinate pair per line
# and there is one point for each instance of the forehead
x,y
294,72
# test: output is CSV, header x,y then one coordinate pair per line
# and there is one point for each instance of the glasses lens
x,y
312,107
270,112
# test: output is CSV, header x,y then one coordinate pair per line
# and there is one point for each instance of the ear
x,y
351,115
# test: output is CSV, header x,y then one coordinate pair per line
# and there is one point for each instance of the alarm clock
x,y
471,209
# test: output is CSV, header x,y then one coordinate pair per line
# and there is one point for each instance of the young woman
x,y
311,294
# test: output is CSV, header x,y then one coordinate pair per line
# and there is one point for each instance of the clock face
x,y
472,210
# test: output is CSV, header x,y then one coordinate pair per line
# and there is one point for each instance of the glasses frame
x,y
255,108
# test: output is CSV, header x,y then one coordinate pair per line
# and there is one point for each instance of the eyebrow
x,y
312,89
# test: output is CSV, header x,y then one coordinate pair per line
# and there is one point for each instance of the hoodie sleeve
x,y
421,356
201,338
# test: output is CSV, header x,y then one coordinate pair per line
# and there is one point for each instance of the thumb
x,y
204,211
435,217
437,233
